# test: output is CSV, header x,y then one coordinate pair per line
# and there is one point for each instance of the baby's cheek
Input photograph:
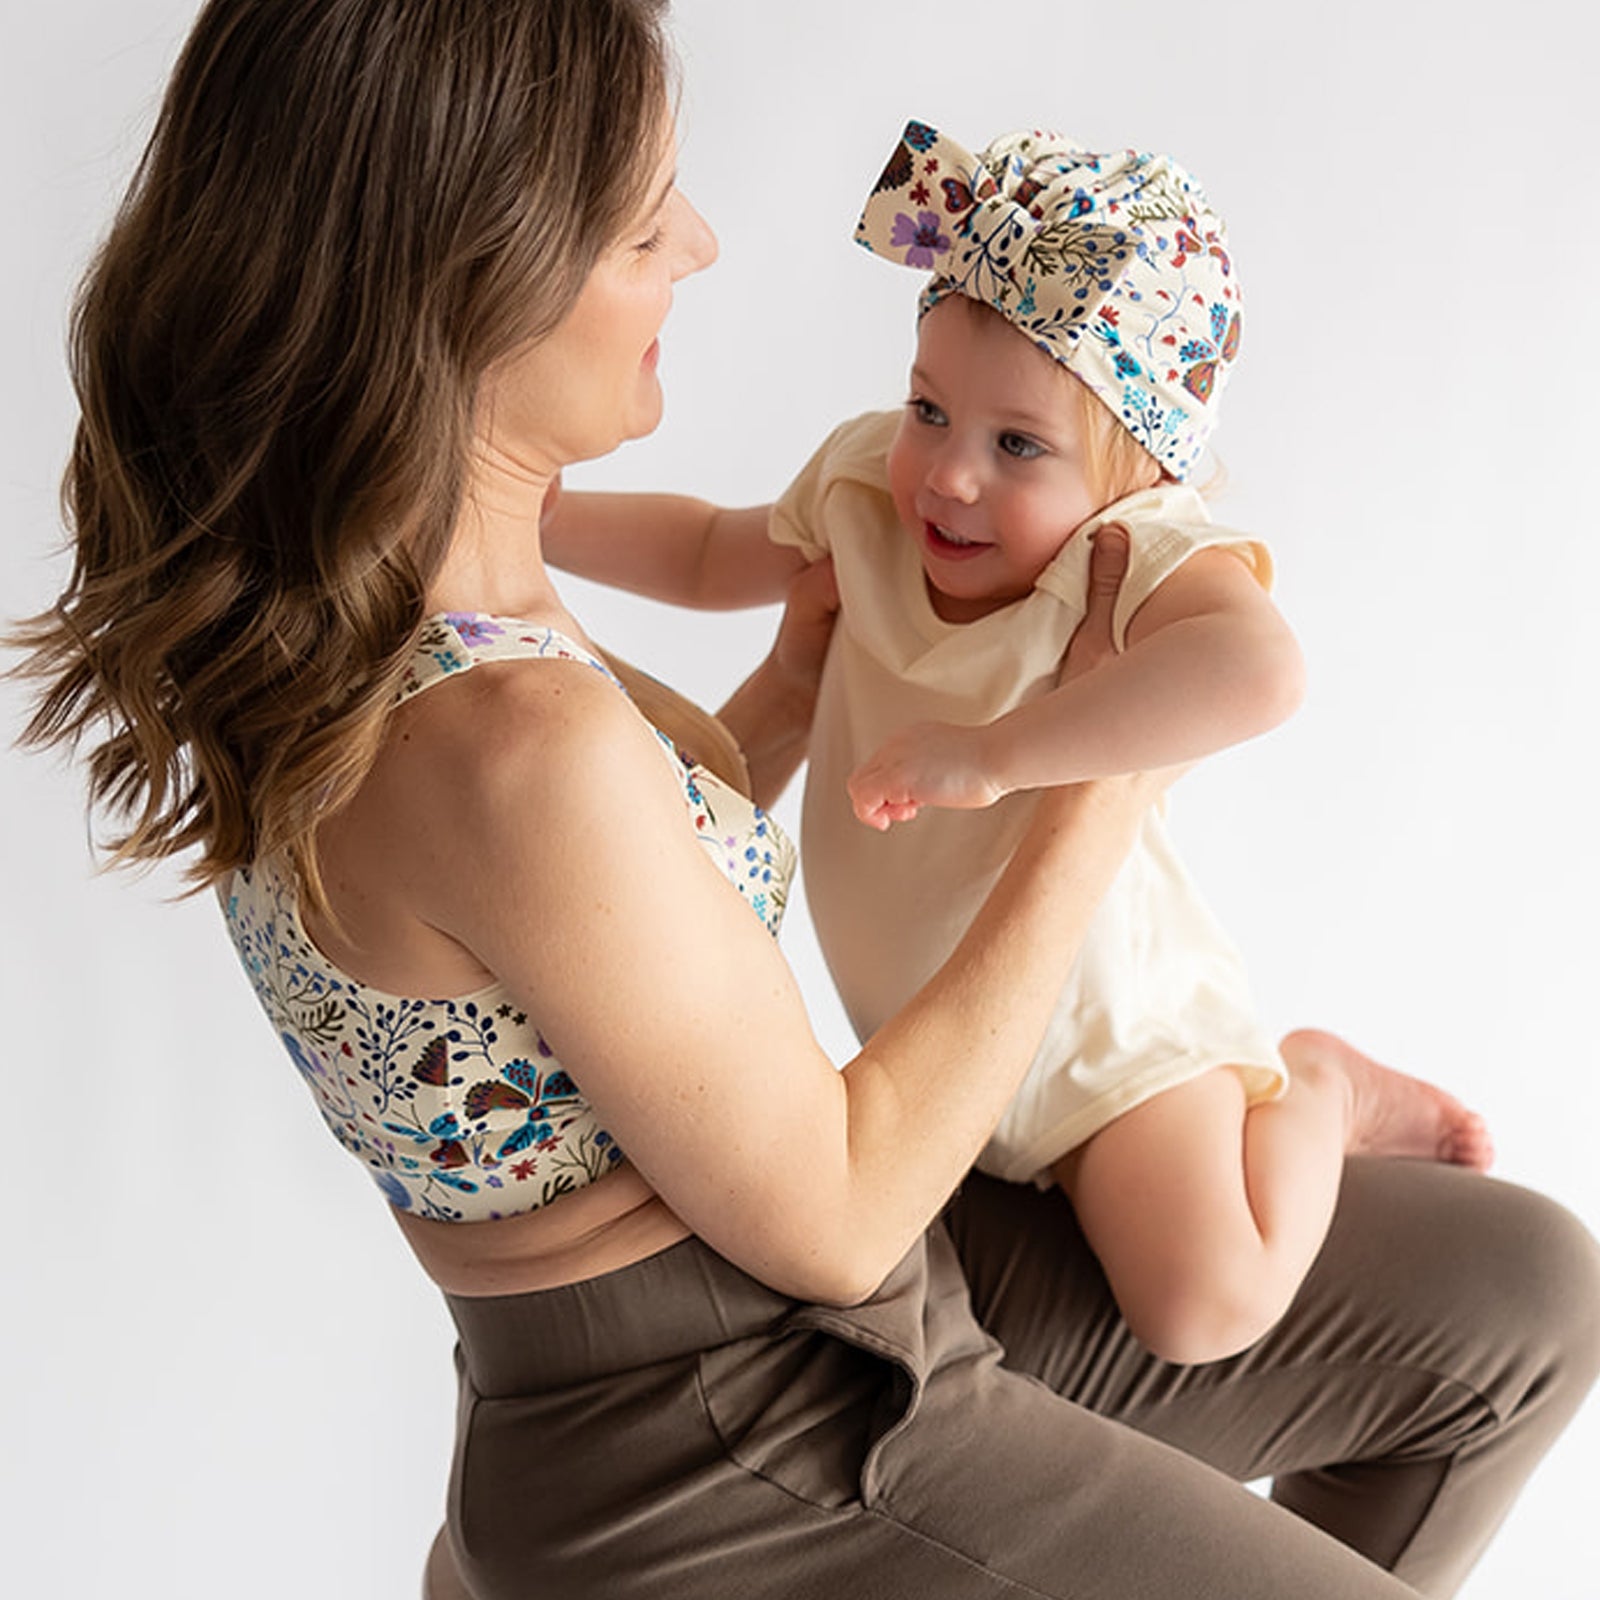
x,y
903,479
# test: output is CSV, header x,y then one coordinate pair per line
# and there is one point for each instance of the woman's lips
x,y
948,549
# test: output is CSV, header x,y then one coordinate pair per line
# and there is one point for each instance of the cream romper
x,y
1159,994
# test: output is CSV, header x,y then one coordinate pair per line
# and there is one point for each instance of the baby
x,y
1078,330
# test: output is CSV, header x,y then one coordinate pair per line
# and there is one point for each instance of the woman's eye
x,y
926,411
645,246
1020,446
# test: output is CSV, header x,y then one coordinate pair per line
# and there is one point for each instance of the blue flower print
x,y
308,1069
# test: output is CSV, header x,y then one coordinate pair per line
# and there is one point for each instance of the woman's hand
x,y
1093,641
770,712
810,609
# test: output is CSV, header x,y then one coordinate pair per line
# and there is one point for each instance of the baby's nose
x,y
951,476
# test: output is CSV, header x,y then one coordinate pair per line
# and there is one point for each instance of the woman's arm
x,y
669,547
569,870
1209,662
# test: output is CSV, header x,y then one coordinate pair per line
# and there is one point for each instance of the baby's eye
x,y
926,411
1020,446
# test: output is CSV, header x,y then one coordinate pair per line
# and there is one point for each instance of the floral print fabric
x,y
458,1107
1113,264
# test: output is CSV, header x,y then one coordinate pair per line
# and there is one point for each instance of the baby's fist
x,y
927,764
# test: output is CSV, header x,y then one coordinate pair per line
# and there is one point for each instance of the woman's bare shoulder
x,y
536,726
513,768
485,778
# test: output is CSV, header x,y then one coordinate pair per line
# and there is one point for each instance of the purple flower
x,y
473,628
922,235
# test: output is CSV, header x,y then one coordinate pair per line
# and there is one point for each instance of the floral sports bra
x,y
458,1107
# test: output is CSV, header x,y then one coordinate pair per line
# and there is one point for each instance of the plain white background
x,y
220,1371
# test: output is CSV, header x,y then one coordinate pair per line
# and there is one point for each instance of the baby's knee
x,y
1206,1317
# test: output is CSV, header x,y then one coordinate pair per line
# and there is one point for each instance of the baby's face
x,y
988,469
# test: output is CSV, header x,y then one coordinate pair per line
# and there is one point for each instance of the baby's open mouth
x,y
947,542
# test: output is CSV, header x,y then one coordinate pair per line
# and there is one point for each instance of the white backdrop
x,y
219,1370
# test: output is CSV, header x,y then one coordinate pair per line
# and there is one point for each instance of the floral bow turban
x,y
1114,264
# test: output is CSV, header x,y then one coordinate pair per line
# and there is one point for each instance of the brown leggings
x,y
678,1431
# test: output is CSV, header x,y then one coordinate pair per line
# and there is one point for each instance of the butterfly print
x,y
1230,340
899,171
957,196
482,1098
1206,355
433,1065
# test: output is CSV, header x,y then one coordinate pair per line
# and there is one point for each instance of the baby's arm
x,y
1209,661
669,547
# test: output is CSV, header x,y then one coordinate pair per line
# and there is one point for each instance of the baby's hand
x,y
927,764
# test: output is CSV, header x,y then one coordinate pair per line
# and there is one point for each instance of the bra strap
x,y
456,641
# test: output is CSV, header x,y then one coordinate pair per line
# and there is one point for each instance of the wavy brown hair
x,y
348,211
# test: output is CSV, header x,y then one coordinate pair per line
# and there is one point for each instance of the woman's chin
x,y
646,414
640,422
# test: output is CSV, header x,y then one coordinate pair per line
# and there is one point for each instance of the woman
x,y
388,266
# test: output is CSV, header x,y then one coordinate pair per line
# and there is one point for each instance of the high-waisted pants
x,y
986,1426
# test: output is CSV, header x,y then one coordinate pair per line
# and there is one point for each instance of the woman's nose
x,y
697,247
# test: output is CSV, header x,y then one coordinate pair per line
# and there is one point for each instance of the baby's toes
x,y
1469,1143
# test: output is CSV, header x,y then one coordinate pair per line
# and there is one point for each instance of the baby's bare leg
x,y
1206,1213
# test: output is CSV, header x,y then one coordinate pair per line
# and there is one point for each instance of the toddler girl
x,y
1080,324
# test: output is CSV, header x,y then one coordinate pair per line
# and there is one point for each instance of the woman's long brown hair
x,y
347,211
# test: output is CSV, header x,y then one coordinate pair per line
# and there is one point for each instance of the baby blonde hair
x,y
1117,463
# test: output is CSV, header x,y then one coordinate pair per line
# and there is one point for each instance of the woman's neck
x,y
496,561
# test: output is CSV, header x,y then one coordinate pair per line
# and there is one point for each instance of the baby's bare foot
x,y
1392,1114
